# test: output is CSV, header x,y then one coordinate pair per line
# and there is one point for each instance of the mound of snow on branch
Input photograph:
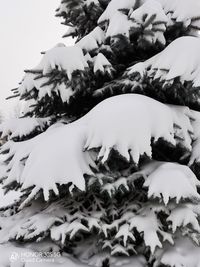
x,y
19,127
184,11
168,64
142,16
167,11
60,59
172,181
66,152
68,59
102,64
92,40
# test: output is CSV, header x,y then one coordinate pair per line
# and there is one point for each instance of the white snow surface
x,y
170,11
172,181
183,216
147,10
66,162
119,24
101,63
182,11
92,40
125,123
163,13
184,253
19,127
64,58
168,64
30,82
67,59
109,127
9,199
148,224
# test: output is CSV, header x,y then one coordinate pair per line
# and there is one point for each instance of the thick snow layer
x,y
30,82
92,40
172,181
168,64
119,24
19,127
65,162
184,253
151,17
9,199
64,152
109,127
183,216
182,11
170,11
149,8
102,64
11,226
89,2
148,224
68,59
142,15
125,232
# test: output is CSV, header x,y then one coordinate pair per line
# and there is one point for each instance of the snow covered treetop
x,y
114,124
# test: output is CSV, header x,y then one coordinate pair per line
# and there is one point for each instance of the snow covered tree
x,y
105,156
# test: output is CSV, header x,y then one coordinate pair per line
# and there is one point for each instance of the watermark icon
x,y
30,256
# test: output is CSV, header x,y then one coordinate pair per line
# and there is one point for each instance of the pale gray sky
x,y
27,27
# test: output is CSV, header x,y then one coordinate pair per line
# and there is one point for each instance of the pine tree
x,y
105,156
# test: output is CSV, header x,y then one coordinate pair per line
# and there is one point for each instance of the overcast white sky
x,y
27,27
